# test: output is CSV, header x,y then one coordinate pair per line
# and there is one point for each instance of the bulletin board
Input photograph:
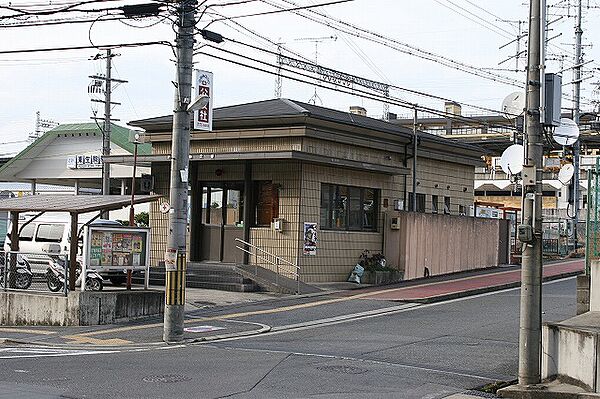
x,y
117,248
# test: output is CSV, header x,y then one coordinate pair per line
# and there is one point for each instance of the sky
x,y
469,32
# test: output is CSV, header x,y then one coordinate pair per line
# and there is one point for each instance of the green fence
x,y
593,215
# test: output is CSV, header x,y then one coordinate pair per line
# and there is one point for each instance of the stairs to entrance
x,y
211,275
232,277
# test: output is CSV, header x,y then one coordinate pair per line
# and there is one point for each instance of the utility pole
x,y
95,88
414,163
576,113
178,196
107,127
530,322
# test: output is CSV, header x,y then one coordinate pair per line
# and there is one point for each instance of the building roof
x,y
276,110
71,203
119,136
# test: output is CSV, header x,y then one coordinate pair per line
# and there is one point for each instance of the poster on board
x,y
111,248
310,238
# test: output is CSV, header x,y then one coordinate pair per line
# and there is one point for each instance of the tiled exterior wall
x,y
339,251
284,243
221,146
350,152
453,180
159,222
300,192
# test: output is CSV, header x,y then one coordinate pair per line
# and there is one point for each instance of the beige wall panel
x,y
447,244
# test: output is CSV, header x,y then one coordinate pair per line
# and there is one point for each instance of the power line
x,y
355,92
99,46
397,45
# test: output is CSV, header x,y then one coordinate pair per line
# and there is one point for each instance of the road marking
x,y
383,312
26,331
284,309
33,352
83,339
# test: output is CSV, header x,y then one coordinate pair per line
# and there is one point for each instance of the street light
x,y
135,138
199,103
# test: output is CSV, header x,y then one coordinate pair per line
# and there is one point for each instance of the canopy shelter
x,y
72,204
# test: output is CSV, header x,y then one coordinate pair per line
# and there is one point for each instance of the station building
x,y
271,168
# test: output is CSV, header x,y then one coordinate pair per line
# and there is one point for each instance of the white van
x,y
53,228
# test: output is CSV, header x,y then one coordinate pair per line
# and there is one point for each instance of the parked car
x,y
54,229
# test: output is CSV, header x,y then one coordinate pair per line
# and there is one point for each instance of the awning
x,y
74,204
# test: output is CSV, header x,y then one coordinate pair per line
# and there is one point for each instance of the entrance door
x,y
223,212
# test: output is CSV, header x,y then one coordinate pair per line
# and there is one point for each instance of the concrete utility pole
x,y
107,126
576,113
180,150
530,325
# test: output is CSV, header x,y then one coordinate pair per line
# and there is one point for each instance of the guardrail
x,y
32,272
277,261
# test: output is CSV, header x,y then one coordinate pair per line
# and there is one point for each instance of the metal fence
x,y
593,216
33,272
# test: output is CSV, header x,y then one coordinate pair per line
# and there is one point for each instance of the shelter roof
x,y
71,203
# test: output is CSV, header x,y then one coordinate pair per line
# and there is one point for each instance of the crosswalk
x,y
19,352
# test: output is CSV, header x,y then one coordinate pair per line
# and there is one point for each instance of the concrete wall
x,y
570,351
79,308
445,244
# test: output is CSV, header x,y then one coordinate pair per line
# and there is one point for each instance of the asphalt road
x,y
415,351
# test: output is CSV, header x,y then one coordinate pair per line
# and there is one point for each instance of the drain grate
x,y
343,369
169,378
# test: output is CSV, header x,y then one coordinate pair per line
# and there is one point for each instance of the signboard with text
x,y
84,162
204,87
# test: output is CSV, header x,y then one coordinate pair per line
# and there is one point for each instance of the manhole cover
x,y
343,369
167,378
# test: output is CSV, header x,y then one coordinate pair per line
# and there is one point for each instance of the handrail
x,y
276,263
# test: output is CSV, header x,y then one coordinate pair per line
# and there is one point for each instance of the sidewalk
x,y
463,286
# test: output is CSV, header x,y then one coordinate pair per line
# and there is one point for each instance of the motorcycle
x,y
23,278
55,276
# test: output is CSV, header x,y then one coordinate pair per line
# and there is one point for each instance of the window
x,y
348,208
50,232
267,203
461,210
420,202
27,233
434,204
446,205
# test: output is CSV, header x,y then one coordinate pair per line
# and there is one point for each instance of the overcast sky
x,y
465,31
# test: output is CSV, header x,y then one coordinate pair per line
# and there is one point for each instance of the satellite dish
x,y
566,173
513,105
567,132
511,160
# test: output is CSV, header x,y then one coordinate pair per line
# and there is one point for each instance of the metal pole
x,y
576,112
414,165
107,126
131,209
180,149
531,270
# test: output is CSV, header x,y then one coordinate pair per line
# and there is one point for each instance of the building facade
x,y
313,185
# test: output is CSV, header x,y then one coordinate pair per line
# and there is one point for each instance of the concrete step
x,y
210,276
550,390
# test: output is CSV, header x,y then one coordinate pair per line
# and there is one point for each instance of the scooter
x,y
55,275
23,278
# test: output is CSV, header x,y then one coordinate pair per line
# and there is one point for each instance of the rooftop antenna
x,y
316,41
